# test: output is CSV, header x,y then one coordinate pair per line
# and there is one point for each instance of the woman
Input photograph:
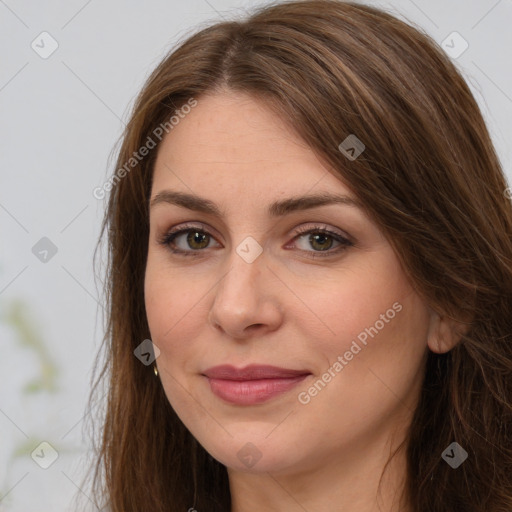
x,y
310,276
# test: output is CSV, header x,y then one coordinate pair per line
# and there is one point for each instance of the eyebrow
x,y
275,209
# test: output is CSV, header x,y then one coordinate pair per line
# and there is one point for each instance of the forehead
x,y
235,142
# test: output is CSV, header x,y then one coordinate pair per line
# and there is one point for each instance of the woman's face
x,y
255,281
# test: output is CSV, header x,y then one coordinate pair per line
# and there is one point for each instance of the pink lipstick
x,y
253,384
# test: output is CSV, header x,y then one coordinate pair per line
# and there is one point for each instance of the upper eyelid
x,y
199,226
207,229
318,226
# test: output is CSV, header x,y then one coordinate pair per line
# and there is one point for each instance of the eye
x,y
196,239
190,240
322,240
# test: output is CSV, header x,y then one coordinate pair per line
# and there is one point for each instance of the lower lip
x,y
252,392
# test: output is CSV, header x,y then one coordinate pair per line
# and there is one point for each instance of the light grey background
x,y
60,118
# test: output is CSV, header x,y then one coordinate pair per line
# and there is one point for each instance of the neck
x,y
348,482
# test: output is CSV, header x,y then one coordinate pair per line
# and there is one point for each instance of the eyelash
x,y
168,238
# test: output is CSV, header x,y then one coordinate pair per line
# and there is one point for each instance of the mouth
x,y
253,384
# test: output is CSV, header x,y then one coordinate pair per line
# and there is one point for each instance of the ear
x,y
444,333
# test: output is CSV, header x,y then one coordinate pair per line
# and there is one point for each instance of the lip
x,y
253,384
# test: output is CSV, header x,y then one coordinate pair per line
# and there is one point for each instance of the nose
x,y
246,299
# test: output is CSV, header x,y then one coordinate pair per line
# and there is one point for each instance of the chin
x,y
254,453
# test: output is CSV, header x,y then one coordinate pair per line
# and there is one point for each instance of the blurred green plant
x,y
16,315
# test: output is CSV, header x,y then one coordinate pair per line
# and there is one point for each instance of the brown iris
x,y
320,238
193,237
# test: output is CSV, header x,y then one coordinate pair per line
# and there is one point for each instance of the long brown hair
x,y
428,176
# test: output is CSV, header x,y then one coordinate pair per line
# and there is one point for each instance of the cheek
x,y
374,320
172,310
172,302
178,303
358,297
379,373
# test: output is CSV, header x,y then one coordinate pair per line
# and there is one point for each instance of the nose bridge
x,y
239,285
241,298
246,262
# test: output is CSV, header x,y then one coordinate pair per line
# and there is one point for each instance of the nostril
x,y
253,327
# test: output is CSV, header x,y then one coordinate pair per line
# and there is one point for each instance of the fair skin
x,y
286,308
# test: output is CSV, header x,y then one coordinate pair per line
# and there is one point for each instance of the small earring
x,y
155,369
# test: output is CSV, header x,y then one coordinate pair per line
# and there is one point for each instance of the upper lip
x,y
252,372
